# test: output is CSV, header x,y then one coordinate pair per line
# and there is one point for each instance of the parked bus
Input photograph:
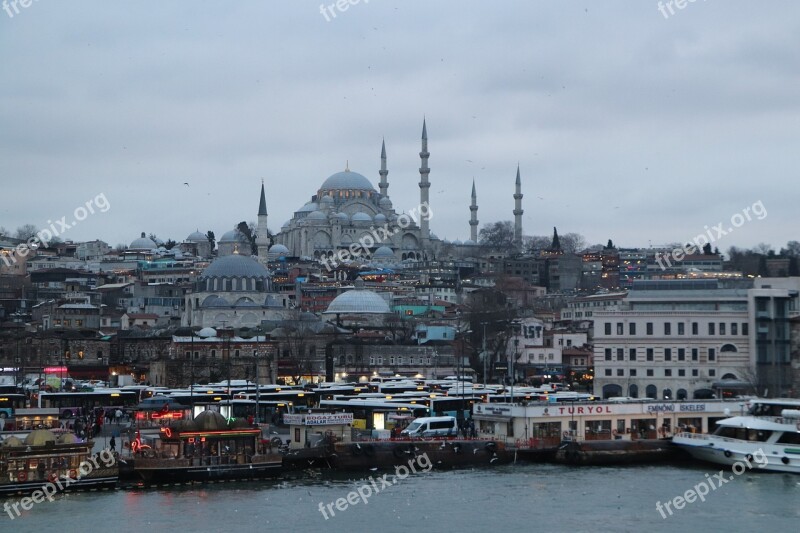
x,y
374,414
9,403
72,404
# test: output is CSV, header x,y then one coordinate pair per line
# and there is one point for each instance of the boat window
x,y
790,438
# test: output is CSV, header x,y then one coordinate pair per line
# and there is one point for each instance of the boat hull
x,y
166,472
730,452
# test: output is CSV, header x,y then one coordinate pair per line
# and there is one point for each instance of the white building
x,y
673,339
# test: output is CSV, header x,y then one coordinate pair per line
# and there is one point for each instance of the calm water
x,y
525,497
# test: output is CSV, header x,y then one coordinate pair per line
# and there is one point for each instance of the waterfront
x,y
521,497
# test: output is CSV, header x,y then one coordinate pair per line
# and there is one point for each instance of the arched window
x,y
729,376
651,392
728,348
633,391
682,394
611,390
667,394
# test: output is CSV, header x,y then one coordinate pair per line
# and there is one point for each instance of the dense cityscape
x,y
392,265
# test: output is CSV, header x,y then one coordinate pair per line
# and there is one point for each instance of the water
x,y
522,497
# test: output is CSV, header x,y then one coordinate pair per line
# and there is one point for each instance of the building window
x,y
236,353
681,372
694,372
711,328
632,328
608,372
607,328
649,328
681,354
620,354
188,354
667,354
681,328
712,372
745,328
722,328
667,372
694,354
620,372
667,328
649,372
608,354
619,328
649,354
734,328
213,353
633,372
712,354
632,354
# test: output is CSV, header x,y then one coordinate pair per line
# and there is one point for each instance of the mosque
x,y
347,210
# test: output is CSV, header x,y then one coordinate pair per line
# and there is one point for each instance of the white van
x,y
432,426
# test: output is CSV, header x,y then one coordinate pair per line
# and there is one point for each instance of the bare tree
x,y
25,232
572,243
497,234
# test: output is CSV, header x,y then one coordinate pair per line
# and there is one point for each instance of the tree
x,y
25,232
572,243
610,245
762,248
120,247
792,249
538,242
707,249
153,237
211,238
3,232
497,234
170,244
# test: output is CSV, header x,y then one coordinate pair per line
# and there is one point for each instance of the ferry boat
x,y
205,449
766,437
62,463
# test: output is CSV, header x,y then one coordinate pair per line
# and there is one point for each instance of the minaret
x,y
518,214
473,216
384,185
262,234
424,185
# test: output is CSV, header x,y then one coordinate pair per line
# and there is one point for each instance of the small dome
x,y
196,237
457,242
384,252
347,180
286,224
385,203
380,218
39,437
326,201
469,242
343,217
246,302
142,243
67,438
12,442
316,215
358,301
235,266
210,421
233,235
309,207
278,250
361,217
207,332
214,301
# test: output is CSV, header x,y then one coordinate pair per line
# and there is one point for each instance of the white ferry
x,y
769,431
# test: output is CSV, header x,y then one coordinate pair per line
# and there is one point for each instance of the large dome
x,y
143,243
358,301
235,266
196,237
347,180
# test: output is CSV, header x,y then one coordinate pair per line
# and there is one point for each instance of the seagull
x,y
474,451
493,460
374,468
186,183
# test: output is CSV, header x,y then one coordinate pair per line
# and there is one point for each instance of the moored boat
x,y
62,463
205,449
767,437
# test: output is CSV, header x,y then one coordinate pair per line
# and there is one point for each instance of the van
x,y
431,426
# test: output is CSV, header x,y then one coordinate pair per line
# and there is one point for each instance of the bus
x,y
9,403
375,413
73,404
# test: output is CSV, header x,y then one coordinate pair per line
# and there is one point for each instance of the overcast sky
x,y
626,124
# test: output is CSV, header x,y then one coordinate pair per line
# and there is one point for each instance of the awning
x,y
732,384
492,418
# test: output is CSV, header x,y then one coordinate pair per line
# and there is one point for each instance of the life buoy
x,y
73,474
728,453
614,432
22,475
52,477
